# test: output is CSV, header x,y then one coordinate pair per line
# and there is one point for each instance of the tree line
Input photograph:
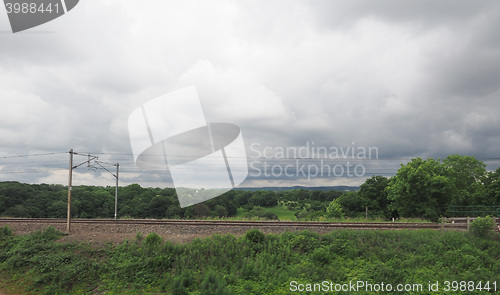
x,y
427,189
421,188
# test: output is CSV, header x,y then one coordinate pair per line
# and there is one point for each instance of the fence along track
x,y
284,224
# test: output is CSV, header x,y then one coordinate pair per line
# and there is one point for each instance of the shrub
x,y
304,242
334,210
182,283
220,211
303,214
261,213
5,231
255,236
269,215
152,243
321,256
213,284
483,227
153,239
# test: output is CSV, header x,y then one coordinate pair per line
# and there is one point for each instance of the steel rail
x,y
245,223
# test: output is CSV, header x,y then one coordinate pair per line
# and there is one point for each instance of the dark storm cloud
x,y
413,78
426,13
449,105
469,64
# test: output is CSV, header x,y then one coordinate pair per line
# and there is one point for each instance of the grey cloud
x,y
426,13
413,78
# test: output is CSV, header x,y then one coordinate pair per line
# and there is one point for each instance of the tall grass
x,y
251,264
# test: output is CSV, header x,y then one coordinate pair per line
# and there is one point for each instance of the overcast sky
x,y
411,78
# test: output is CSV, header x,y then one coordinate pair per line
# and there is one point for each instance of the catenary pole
x,y
68,226
116,190
71,167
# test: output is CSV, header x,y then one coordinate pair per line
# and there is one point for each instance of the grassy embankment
x,y
252,264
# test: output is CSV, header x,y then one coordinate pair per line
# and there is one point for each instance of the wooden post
x,y
442,223
468,223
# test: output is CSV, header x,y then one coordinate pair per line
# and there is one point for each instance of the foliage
x,y
466,174
334,209
490,193
261,213
5,232
353,204
49,266
483,227
252,264
420,189
255,236
374,190
425,188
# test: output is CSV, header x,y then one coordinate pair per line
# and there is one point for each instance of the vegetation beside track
x,y
252,264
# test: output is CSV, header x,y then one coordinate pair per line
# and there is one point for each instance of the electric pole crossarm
x,y
86,162
71,167
99,163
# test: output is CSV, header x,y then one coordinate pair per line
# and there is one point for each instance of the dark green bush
x,y
261,213
213,284
182,283
5,232
255,236
153,240
483,227
321,256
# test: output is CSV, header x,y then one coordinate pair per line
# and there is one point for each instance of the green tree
x,y
201,210
490,194
374,189
466,174
14,193
242,198
104,203
175,212
353,203
127,193
220,211
334,209
483,227
124,211
158,205
420,189
270,199
58,209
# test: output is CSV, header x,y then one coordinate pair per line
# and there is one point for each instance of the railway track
x,y
239,223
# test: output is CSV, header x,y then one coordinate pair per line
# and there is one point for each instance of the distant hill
x,y
310,188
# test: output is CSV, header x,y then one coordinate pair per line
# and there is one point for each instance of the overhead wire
x,y
130,167
32,155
